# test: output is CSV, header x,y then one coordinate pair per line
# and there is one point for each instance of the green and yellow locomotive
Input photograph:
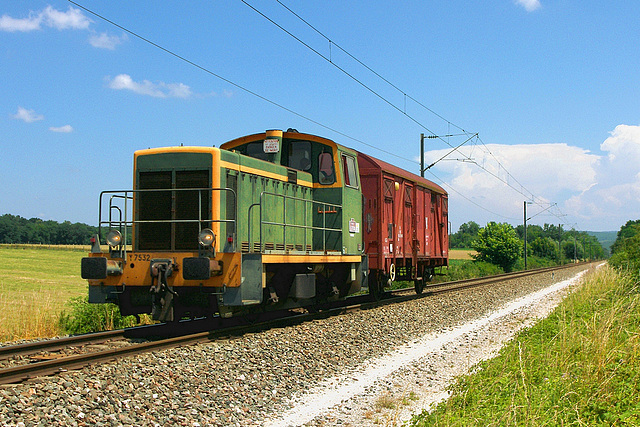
x,y
271,219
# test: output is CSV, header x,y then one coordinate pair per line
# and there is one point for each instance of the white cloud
x,y
616,198
158,90
62,129
10,24
178,90
595,192
540,168
71,19
529,5
105,41
52,18
552,172
624,141
28,116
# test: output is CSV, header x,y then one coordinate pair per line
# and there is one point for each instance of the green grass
x,y
35,285
580,366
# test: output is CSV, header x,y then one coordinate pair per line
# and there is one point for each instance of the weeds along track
x,y
25,361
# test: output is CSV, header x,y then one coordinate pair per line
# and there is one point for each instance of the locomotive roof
x,y
288,134
394,170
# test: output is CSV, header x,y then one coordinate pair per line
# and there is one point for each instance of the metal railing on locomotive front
x,y
325,208
127,196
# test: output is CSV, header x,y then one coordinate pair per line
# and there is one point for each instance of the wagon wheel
x,y
392,272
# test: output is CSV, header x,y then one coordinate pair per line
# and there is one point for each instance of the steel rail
x,y
21,373
58,343
24,372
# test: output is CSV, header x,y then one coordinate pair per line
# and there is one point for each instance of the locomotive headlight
x,y
114,238
206,238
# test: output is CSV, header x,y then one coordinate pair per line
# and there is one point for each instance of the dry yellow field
x,y
461,253
35,284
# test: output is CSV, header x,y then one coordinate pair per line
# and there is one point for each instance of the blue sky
x,y
551,88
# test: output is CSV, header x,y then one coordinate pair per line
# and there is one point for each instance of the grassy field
x,y
35,284
464,254
580,366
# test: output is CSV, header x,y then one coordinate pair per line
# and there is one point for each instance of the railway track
x,y
51,363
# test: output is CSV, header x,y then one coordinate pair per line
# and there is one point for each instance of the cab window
x,y
326,174
255,149
300,155
349,171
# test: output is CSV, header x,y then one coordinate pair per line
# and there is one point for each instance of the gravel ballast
x,y
262,378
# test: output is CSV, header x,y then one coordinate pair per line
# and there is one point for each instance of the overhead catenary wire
x,y
333,43
304,117
454,149
451,188
236,85
521,189
328,59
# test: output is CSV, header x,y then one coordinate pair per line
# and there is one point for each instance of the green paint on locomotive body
x,y
304,202
274,215
352,202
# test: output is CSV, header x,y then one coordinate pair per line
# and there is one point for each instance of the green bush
x,y
498,244
83,317
627,254
462,269
534,262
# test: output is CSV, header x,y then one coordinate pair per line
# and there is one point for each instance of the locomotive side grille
x,y
245,247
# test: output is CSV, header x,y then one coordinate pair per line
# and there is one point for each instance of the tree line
x,y
15,229
503,245
625,251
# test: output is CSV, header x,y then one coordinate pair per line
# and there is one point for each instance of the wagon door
x,y
419,223
372,220
429,223
408,229
445,226
439,229
388,218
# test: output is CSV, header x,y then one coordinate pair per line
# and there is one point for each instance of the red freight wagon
x,y
405,224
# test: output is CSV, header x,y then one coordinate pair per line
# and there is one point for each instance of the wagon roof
x,y
395,170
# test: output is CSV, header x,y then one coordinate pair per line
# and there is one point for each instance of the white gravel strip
x,y
392,388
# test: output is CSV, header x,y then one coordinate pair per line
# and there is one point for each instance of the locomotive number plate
x,y
139,257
